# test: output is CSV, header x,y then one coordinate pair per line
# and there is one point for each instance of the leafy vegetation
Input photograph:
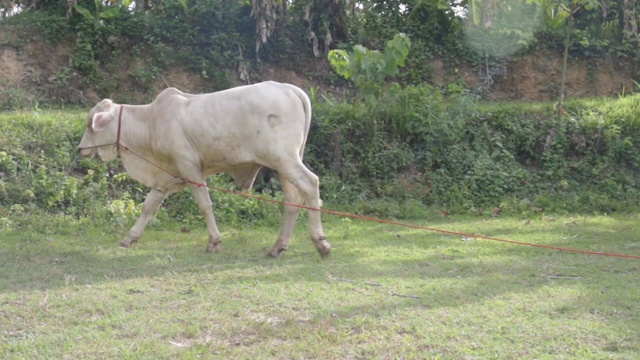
x,y
369,69
456,154
222,39
417,148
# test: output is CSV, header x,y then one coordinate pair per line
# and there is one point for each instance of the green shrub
x,y
426,151
450,152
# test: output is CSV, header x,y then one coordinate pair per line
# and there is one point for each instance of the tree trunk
x,y
338,19
629,21
265,14
327,21
565,57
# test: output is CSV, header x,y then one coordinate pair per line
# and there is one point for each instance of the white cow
x,y
182,138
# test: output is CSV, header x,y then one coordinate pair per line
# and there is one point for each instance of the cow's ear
x,y
100,121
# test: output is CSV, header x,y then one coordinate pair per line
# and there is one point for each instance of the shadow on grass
x,y
34,262
374,271
477,269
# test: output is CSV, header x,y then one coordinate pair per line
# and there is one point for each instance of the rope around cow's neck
x,y
119,126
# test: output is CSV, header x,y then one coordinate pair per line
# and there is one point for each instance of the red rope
x,y
381,221
413,226
119,126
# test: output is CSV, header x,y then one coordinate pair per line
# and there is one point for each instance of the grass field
x,y
386,292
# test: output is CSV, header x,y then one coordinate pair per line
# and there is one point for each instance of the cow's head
x,y
101,133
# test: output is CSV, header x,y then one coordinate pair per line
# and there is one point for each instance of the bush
x,y
415,150
451,152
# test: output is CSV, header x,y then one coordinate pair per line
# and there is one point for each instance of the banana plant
x,y
103,11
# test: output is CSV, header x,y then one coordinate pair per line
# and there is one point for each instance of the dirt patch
x,y
34,69
538,77
39,69
182,79
12,69
285,75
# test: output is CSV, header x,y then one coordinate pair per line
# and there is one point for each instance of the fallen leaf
x,y
178,344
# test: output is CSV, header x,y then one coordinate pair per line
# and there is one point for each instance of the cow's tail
x,y
306,105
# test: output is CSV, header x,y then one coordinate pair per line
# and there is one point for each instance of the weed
x,y
14,98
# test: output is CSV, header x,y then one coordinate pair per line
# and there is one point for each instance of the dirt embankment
x,y
538,78
37,70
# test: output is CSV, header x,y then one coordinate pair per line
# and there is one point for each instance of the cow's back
x,y
253,123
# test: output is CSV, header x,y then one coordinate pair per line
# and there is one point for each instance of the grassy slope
x,y
386,292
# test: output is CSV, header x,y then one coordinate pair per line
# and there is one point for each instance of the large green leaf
x,y
111,13
84,12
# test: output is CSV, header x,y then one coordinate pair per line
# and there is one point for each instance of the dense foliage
x,y
414,147
222,40
454,154
414,150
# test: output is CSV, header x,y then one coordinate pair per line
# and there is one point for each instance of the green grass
x,y
385,292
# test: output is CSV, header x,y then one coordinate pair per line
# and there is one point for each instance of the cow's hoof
x,y
324,248
127,242
213,248
275,252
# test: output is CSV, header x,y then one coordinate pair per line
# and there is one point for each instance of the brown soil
x,y
12,69
33,70
538,78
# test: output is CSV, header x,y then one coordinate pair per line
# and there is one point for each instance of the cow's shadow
x,y
41,263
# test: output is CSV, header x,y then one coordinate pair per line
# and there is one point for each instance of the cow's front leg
x,y
151,205
201,194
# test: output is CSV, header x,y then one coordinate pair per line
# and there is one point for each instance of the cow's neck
x,y
134,127
135,150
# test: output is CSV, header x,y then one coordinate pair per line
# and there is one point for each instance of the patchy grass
x,y
386,292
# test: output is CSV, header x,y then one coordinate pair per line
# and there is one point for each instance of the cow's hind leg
x,y
309,187
151,205
291,196
201,194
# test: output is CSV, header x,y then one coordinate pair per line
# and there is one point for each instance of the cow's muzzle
x,y
86,151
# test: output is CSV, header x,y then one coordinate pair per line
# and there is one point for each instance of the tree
x,y
326,21
559,11
369,69
265,12
629,20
